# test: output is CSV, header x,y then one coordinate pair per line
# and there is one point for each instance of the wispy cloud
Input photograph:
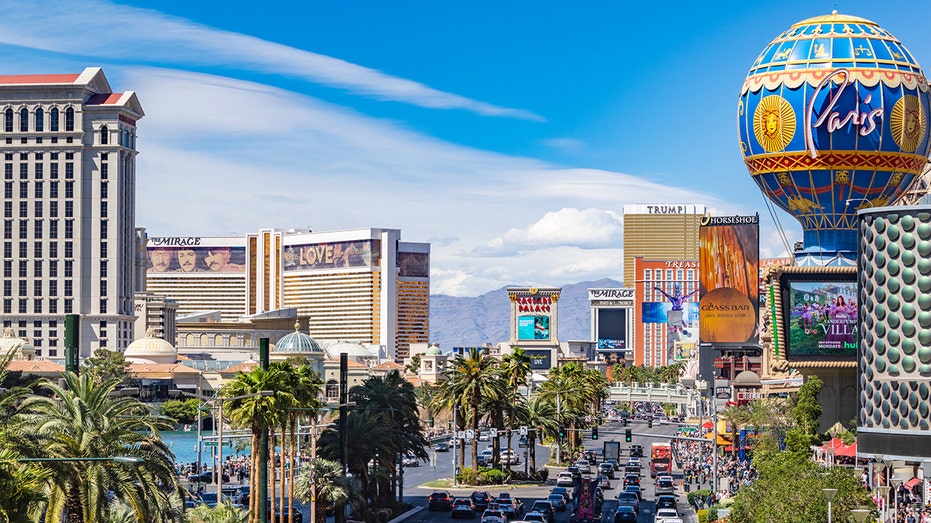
x,y
116,32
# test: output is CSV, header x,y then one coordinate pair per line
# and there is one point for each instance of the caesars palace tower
x,y
69,153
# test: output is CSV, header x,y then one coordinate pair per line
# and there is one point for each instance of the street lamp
x,y
860,515
884,493
219,420
829,493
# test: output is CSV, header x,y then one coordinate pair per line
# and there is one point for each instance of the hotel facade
x,y
69,239
360,285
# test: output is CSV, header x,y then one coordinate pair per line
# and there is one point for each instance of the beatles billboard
x,y
194,254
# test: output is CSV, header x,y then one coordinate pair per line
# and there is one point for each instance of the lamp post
x,y
829,494
860,515
895,496
883,492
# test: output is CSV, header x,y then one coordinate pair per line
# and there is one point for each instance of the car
x,y
410,461
635,462
441,447
511,507
558,501
628,499
635,489
439,500
463,508
493,516
565,479
208,498
631,479
625,514
563,491
665,485
535,517
509,458
606,469
614,463
636,451
484,436
486,457
545,507
603,481
576,473
206,476
667,515
583,466
632,469
667,501
481,499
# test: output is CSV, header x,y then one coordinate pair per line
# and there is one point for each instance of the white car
x,y
667,515
564,479
510,459
583,465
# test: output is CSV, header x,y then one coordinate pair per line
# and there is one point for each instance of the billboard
x,y
820,315
729,285
194,254
540,359
533,327
413,265
331,255
611,325
659,311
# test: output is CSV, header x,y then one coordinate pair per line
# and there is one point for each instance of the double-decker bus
x,y
660,459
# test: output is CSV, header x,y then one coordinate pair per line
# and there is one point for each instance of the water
x,y
184,446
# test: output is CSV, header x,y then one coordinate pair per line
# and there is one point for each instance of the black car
x,y
480,499
625,514
439,500
666,501
575,471
606,469
441,447
206,477
463,508
636,451
632,479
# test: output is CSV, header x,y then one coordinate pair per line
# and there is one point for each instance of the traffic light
x,y
628,436
507,433
594,432
650,423
562,432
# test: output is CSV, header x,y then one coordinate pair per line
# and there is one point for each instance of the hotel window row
x,y
38,119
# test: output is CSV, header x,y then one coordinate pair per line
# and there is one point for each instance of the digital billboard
x,y
540,359
413,265
194,254
729,284
329,255
611,326
533,327
820,315
658,312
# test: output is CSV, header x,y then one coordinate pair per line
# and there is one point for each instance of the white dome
x,y
10,342
352,350
151,350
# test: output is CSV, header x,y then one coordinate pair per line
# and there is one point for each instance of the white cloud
x,y
590,228
117,32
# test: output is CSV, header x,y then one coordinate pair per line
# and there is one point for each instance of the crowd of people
x,y
696,460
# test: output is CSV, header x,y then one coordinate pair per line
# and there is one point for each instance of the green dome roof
x,y
297,342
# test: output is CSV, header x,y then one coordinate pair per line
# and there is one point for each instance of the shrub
x,y
492,477
703,516
713,513
541,475
467,476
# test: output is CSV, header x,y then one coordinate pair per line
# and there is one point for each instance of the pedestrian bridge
x,y
650,392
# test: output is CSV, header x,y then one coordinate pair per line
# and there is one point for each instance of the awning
x,y
721,439
910,484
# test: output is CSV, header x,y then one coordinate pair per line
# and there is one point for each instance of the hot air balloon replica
x,y
832,118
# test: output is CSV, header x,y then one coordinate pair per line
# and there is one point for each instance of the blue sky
x,y
507,134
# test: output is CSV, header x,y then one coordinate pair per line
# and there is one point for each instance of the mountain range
x,y
473,321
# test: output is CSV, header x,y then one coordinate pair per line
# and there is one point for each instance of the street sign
x,y
494,433
214,444
470,434
523,430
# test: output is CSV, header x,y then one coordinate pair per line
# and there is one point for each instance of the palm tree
x,y
307,387
222,513
737,416
23,488
332,488
80,427
257,413
372,449
516,367
470,378
541,418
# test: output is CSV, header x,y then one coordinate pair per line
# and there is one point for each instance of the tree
x,y
737,416
541,419
83,420
332,488
106,365
469,379
222,513
807,410
788,490
414,366
516,368
182,411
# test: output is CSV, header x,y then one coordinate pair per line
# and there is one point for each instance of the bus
x,y
660,459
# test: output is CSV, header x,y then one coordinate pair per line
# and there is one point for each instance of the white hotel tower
x,y
68,145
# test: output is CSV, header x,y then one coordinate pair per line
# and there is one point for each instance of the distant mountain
x,y
471,322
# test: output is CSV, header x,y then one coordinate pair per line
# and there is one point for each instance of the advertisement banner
x,y
729,261
660,311
540,359
164,256
533,327
330,255
413,265
822,319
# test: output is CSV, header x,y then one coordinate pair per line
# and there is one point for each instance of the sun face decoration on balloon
x,y
831,118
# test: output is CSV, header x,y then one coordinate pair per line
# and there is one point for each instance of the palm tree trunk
x,y
74,507
292,456
282,461
475,403
271,470
532,442
253,477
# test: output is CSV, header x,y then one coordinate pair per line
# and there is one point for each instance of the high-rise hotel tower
x,y
69,152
